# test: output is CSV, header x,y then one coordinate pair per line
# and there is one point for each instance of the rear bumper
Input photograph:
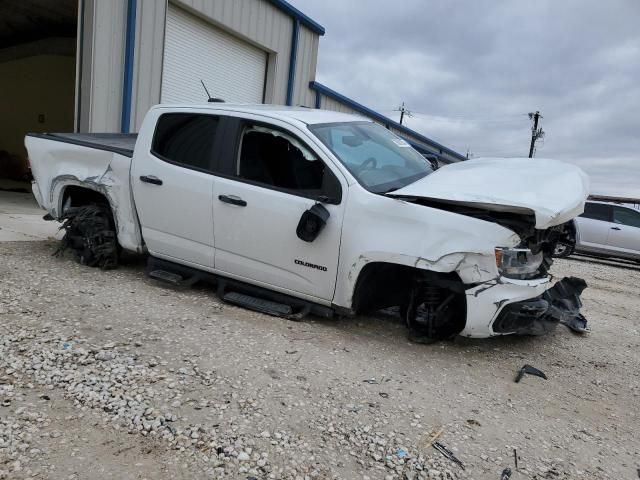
x,y
522,307
36,193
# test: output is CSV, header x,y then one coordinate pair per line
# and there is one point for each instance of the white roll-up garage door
x,y
195,50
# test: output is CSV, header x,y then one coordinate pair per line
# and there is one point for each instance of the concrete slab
x,y
21,219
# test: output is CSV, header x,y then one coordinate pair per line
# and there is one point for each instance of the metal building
x,y
97,66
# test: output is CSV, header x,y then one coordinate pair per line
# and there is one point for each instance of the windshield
x,y
380,161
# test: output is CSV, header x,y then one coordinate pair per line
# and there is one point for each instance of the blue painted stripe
x,y
319,88
127,83
292,11
293,58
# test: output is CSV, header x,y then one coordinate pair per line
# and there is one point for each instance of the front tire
x,y
563,250
90,233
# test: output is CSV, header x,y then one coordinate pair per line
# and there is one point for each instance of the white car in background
x,y
607,230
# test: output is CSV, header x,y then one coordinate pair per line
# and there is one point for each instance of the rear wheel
x,y
90,233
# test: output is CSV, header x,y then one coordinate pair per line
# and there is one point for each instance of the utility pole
x,y
536,133
403,111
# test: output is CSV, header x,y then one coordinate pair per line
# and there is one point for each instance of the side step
x,y
173,278
258,304
235,292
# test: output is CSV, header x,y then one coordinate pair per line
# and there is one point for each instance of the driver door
x,y
272,178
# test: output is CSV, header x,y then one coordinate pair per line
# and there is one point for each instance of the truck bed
x,y
121,143
99,163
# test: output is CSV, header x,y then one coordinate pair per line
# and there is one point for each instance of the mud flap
x,y
539,316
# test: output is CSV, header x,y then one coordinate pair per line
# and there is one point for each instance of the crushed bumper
x,y
524,307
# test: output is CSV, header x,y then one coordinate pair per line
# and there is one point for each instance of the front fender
x,y
382,229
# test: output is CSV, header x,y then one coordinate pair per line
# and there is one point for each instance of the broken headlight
x,y
518,262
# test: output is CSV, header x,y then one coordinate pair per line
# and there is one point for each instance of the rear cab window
x,y
186,139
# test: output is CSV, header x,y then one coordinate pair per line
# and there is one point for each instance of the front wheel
x,y
563,250
90,232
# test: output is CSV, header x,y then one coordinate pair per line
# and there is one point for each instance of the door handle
x,y
615,228
233,200
150,179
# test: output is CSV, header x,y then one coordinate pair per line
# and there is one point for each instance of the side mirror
x,y
312,222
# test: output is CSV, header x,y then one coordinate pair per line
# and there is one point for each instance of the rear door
x,y
624,232
272,178
173,187
593,227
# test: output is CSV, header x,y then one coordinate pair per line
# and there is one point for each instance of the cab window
x,y
277,159
186,139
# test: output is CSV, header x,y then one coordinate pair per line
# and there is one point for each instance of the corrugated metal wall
x,y
102,65
327,103
256,21
306,67
147,64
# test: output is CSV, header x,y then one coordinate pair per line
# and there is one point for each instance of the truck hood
x,y
553,191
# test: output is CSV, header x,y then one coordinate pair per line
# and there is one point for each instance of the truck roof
x,y
309,116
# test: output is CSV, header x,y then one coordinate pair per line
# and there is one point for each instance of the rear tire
x,y
90,233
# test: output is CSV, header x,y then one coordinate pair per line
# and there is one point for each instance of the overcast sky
x,y
471,71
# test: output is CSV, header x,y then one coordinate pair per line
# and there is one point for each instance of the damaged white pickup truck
x,y
293,210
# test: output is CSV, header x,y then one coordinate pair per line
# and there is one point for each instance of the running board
x,y
258,304
236,292
173,278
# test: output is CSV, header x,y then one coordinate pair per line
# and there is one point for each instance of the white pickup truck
x,y
294,210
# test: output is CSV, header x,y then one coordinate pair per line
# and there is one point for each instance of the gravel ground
x,y
110,375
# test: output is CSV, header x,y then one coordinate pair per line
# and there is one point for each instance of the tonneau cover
x,y
122,143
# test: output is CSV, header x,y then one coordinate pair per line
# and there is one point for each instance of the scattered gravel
x,y
216,389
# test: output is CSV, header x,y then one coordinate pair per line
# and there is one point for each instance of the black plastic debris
x,y
447,453
506,474
528,369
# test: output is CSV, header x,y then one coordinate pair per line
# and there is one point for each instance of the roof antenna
x,y
209,97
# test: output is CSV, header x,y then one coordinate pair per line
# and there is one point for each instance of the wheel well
x,y
79,196
431,302
382,285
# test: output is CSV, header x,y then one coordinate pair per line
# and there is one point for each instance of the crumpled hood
x,y
554,191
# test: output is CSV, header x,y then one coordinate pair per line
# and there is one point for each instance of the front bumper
x,y
525,307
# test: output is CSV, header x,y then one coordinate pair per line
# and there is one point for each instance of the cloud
x,y
471,71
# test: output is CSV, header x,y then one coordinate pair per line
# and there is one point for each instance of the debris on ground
x,y
506,474
529,370
447,453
